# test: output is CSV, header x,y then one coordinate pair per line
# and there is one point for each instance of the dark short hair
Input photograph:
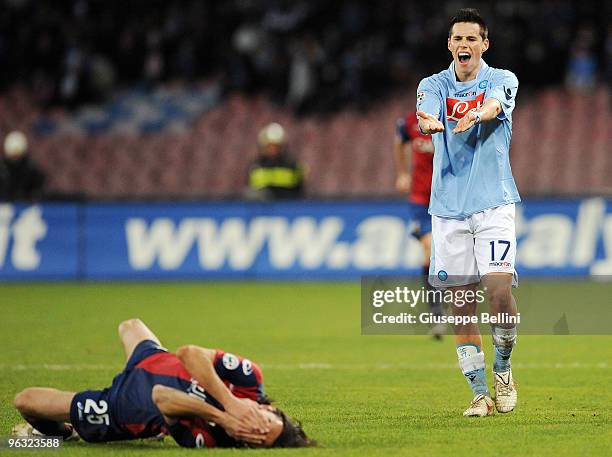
x,y
292,435
470,15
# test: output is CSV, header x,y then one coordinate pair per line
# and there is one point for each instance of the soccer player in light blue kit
x,y
468,110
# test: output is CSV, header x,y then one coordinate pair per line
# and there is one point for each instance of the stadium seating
x,y
561,146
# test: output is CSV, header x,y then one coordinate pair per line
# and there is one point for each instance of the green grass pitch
x,y
357,395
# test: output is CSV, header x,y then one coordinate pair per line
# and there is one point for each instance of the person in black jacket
x,y
275,174
20,178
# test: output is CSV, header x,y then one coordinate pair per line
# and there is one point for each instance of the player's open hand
x,y
428,123
466,122
403,182
239,431
248,413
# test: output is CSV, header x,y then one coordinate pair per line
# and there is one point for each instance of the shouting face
x,y
467,46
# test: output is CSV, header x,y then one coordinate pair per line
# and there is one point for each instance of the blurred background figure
x,y
413,152
582,63
20,177
274,174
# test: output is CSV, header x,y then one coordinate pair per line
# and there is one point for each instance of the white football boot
x,y
505,391
26,430
481,406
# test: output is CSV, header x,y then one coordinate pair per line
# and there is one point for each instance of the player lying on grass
x,y
202,397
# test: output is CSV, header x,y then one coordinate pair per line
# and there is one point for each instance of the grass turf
x,y
356,395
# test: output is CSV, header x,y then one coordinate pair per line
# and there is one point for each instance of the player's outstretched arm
x,y
199,363
174,404
428,123
487,112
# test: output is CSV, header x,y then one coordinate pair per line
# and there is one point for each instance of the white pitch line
x,y
421,366
59,367
316,366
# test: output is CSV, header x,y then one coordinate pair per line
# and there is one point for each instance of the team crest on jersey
x,y
230,361
456,109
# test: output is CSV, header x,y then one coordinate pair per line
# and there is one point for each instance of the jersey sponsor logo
x,y
456,109
230,361
471,93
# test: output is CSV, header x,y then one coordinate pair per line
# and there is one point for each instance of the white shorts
x,y
464,250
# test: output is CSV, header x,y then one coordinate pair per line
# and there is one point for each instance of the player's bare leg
x,y
434,307
132,332
501,301
44,403
46,410
469,352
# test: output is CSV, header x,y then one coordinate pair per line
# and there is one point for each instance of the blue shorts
x,y
91,411
420,215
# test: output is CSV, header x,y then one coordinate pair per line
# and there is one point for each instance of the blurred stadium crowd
x,y
310,54
77,75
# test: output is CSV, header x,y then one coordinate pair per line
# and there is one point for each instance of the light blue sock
x,y
504,340
472,364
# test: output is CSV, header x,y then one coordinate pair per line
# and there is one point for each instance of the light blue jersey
x,y
471,169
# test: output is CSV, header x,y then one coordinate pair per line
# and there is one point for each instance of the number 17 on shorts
x,y
464,250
